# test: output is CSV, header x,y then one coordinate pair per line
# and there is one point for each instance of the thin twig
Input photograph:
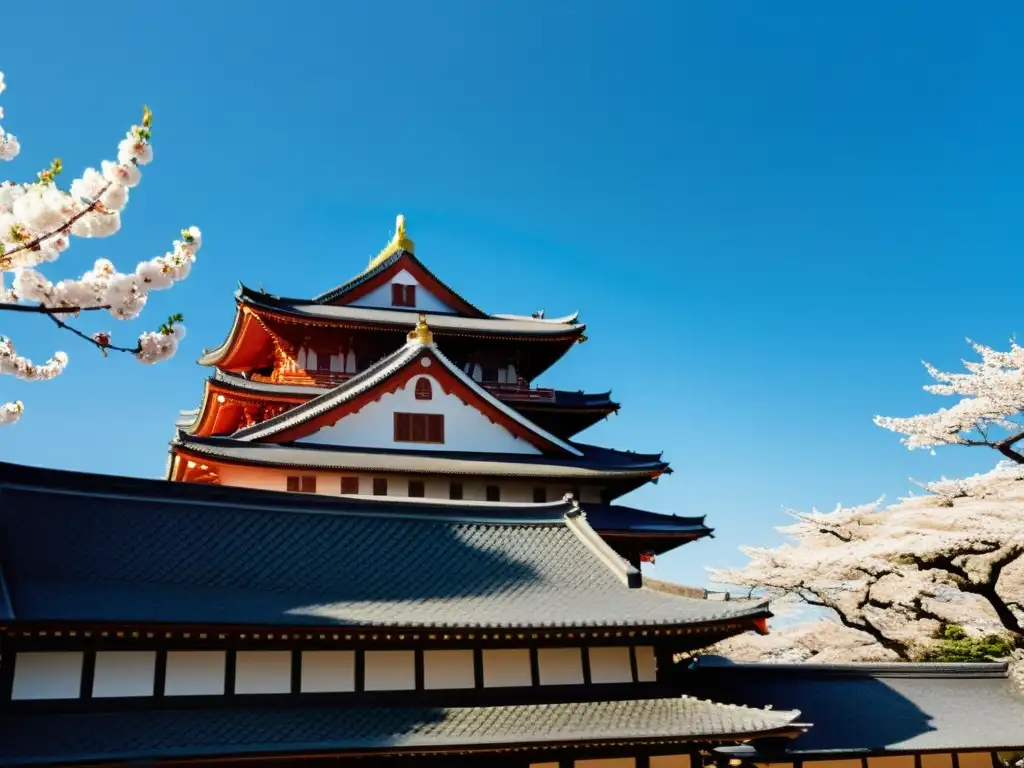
x,y
41,310
103,347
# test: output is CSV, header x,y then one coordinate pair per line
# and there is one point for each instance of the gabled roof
x,y
381,272
415,358
86,548
875,708
283,731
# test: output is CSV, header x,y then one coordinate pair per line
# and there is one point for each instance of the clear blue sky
x,y
767,213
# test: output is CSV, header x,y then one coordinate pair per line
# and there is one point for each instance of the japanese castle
x,y
380,543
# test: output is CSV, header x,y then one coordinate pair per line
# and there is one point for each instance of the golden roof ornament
x,y
400,242
421,333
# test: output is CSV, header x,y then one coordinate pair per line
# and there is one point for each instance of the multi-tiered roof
x,y
291,371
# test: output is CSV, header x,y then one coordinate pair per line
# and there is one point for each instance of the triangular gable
x,y
360,412
373,288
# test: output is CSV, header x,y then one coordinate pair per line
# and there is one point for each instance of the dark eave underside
x,y
179,734
440,323
595,463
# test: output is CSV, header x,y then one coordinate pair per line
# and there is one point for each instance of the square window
x,y
380,486
493,493
455,491
308,484
350,486
403,295
416,489
293,483
540,495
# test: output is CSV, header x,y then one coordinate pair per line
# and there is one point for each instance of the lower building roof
x,y
84,548
191,733
877,708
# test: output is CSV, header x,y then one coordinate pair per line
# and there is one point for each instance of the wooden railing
x,y
333,378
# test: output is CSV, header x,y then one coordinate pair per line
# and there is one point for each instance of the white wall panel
x,y
560,666
263,672
448,669
610,665
646,665
47,675
328,671
390,671
195,673
124,673
506,668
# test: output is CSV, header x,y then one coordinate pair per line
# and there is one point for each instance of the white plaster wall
x,y
263,672
465,428
124,673
47,675
329,484
381,296
195,673
902,761
448,669
506,668
390,671
669,761
646,666
610,665
328,671
560,666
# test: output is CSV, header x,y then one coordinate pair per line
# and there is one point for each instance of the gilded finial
x,y
421,333
400,242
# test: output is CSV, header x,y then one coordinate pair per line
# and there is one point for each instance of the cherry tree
x,y
989,412
899,573
37,222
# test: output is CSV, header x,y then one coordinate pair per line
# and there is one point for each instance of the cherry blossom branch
x,y
43,310
97,340
6,259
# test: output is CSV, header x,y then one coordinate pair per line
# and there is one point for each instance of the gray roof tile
x,y
130,551
877,707
36,738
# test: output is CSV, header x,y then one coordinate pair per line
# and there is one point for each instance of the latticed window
x,y
423,389
419,428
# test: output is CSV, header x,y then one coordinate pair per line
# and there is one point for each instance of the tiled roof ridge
x,y
576,520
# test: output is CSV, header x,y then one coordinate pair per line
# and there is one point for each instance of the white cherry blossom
x,y
37,222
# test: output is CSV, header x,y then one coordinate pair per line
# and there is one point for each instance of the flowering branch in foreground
x,y
37,221
989,412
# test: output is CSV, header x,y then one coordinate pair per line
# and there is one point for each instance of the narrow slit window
x,y
403,295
